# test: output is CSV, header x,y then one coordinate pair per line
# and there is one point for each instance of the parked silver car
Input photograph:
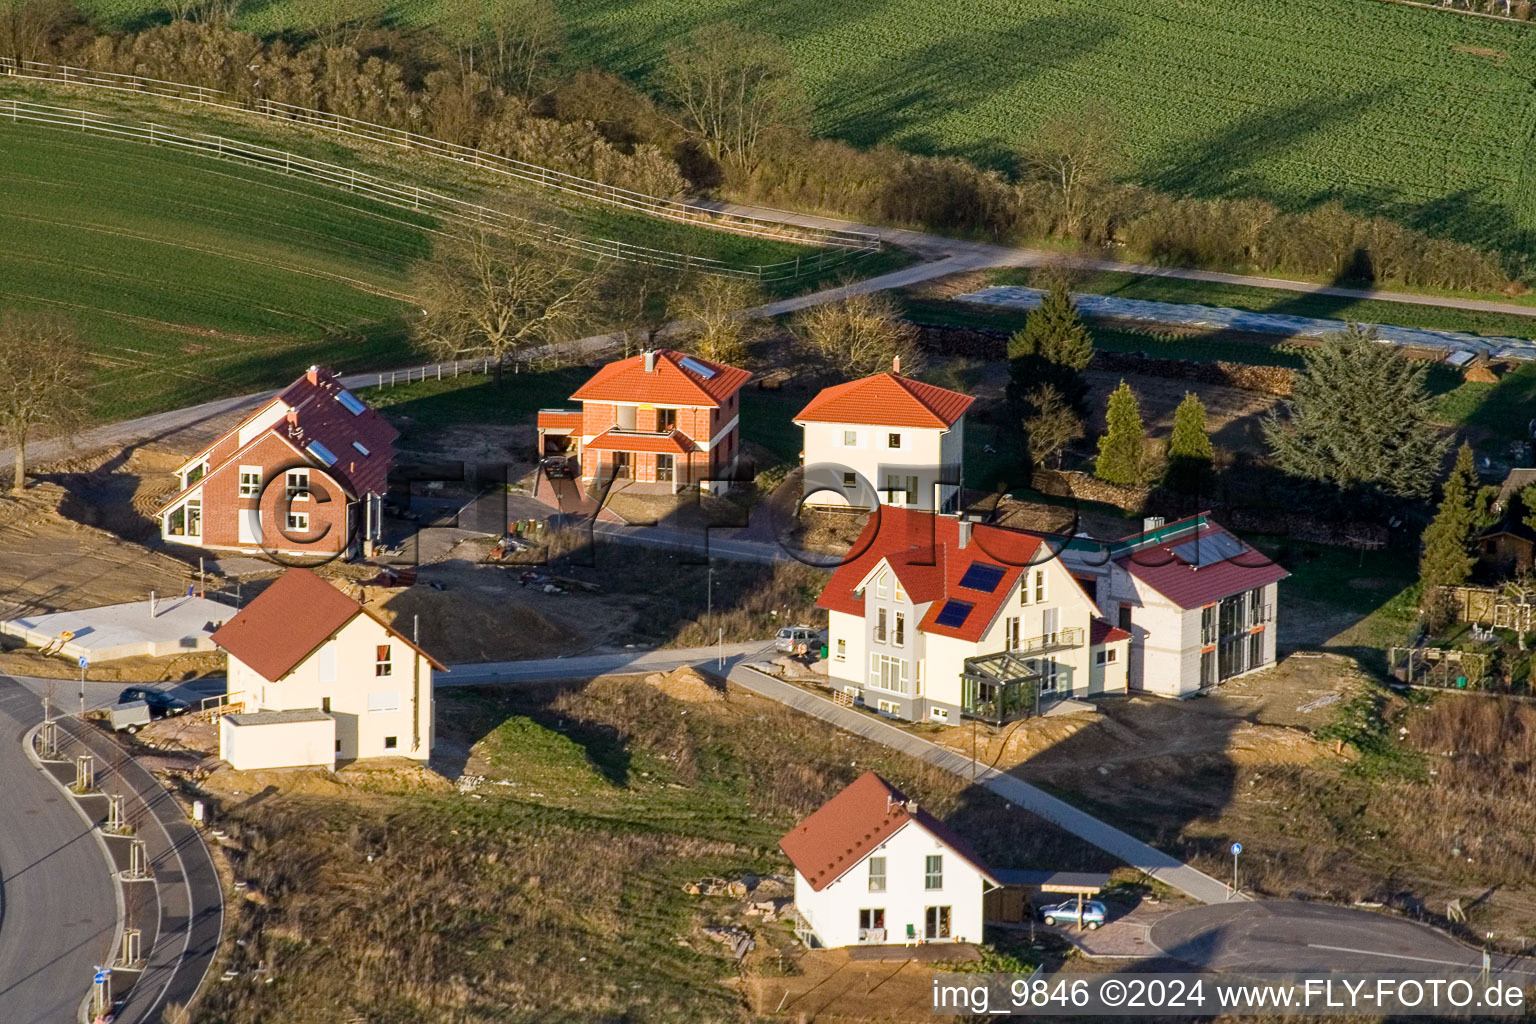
x,y
791,638
1093,913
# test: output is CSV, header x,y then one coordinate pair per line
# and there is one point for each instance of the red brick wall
x,y
222,502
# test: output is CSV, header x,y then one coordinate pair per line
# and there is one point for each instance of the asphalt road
x,y
1283,935
57,898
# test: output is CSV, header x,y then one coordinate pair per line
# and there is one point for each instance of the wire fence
x,y
542,177
411,197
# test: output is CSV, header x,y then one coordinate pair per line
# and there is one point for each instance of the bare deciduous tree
x,y
492,296
636,298
713,317
513,42
733,89
29,27
42,381
860,335
1051,424
1071,159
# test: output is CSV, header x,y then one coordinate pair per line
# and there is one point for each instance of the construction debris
x,y
739,939
686,684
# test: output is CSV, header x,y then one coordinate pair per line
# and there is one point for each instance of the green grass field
x,y
190,279
1415,113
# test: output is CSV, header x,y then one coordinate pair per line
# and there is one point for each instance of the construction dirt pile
x,y
686,684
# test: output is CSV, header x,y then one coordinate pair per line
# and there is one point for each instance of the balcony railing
x,y
1060,640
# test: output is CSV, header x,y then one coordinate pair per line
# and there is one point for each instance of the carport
x,y
1011,903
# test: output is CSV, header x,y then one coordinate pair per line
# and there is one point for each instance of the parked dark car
x,y
558,467
161,704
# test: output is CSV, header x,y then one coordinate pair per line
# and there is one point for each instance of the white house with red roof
x,y
872,867
1200,604
884,439
302,652
937,618
663,419
305,473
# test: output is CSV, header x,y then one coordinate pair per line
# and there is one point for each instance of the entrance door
x,y
936,923
250,526
621,465
664,468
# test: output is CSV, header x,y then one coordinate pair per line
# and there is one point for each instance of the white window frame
x,y
297,484
901,595
887,707
1012,634
899,631
386,663
193,516
298,522
250,481
930,874
942,714
893,437
882,633
842,650
1040,588
878,666
881,874
1109,656
882,585
850,439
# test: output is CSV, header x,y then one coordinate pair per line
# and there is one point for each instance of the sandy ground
x,y
1232,414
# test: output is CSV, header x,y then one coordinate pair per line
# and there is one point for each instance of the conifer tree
x,y
1054,332
1449,540
1122,450
1189,449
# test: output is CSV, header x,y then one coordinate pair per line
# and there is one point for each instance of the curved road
x,y
58,902
1271,935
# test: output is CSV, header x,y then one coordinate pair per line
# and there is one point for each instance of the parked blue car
x,y
1094,913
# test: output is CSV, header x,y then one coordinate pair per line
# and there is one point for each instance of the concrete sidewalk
x,y
587,666
1079,823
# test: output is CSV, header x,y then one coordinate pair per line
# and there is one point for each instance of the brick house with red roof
x,y
938,618
664,420
884,439
305,473
1200,604
874,867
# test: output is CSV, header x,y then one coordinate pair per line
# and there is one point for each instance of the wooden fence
x,y
542,177
408,197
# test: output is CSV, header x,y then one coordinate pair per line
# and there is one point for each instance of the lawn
x,y
554,893
189,278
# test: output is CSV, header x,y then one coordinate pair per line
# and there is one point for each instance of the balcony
x,y
1061,640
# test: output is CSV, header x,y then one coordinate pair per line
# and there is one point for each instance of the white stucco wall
x,y
358,698
833,913
924,453
277,745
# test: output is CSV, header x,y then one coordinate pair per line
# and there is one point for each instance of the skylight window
x,y
954,614
350,402
982,576
697,368
321,452
361,450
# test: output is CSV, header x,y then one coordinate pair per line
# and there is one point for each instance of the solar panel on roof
x,y
321,452
982,576
694,366
350,402
953,614
1208,550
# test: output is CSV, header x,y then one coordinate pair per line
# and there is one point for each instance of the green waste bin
x,y
1461,682
823,652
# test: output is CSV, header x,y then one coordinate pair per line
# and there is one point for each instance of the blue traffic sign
x,y
1237,848
101,976
83,661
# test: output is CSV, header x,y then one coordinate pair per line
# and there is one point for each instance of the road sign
x,y
102,975
1237,848
83,661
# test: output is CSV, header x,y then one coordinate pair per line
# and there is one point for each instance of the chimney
x,y
896,365
911,806
650,360
313,374
964,529
1150,523
292,416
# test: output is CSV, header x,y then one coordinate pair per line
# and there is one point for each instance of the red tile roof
x,y
1101,632
289,620
847,828
1189,587
670,383
559,419
615,440
319,415
887,399
924,551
